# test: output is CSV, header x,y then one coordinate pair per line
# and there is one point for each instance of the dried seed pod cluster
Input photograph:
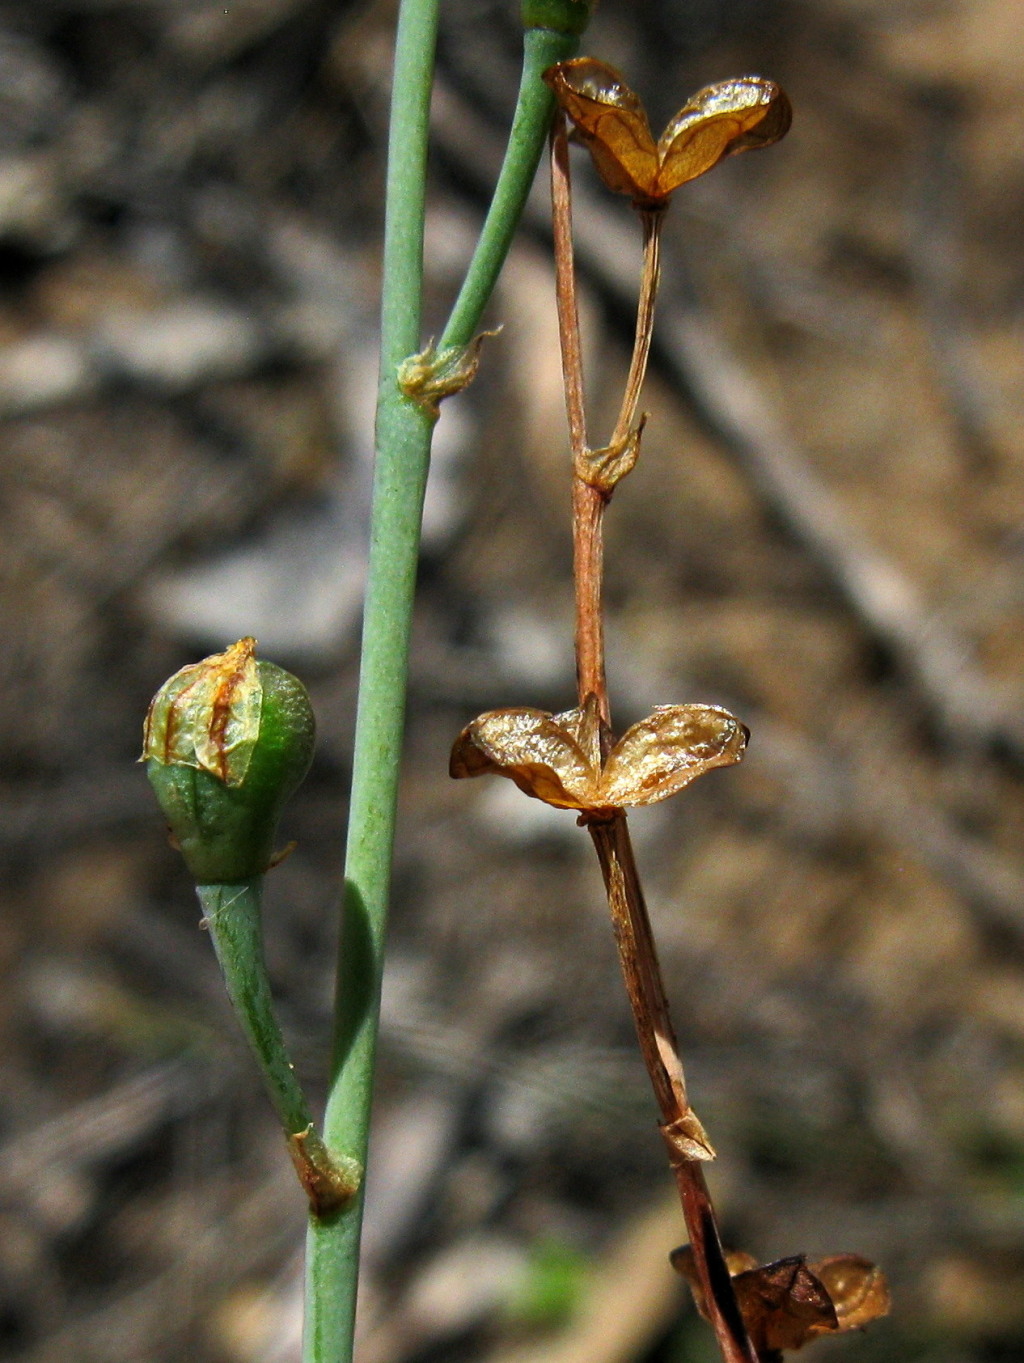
x,y
790,1302
572,760
557,758
610,120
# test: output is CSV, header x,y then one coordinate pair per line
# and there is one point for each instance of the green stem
x,y
404,431
542,47
232,913
403,452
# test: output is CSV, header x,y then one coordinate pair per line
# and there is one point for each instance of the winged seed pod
x,y
790,1302
557,758
610,120
226,742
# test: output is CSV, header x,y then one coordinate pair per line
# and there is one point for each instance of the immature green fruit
x,y
226,742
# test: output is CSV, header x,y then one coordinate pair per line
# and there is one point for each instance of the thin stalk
x,y
650,277
642,974
588,506
404,431
542,47
232,915
403,451
588,502
565,288
638,957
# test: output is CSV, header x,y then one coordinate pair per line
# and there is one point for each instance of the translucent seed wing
x,y
667,750
790,1302
610,121
859,1291
532,749
734,115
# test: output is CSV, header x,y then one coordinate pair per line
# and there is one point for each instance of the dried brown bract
x,y
609,118
557,758
788,1303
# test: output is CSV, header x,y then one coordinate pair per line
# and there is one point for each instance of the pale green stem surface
x,y
404,431
231,913
403,453
541,48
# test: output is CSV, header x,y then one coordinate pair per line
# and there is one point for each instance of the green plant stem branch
x,y
403,451
232,915
404,431
542,47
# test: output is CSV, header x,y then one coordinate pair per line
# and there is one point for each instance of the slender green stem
x,y
403,452
231,913
542,47
404,430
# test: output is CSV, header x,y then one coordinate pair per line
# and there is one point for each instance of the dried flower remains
x,y
208,714
558,758
609,118
788,1303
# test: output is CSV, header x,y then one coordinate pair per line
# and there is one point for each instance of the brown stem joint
x,y
330,1181
686,1140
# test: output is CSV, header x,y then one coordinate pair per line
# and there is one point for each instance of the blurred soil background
x,y
825,533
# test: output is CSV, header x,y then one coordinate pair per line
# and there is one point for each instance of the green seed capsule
x,y
226,742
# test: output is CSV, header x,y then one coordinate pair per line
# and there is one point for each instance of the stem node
x,y
435,374
686,1139
329,1181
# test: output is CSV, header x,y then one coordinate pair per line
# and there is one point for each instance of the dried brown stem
x,y
651,220
681,1129
565,287
588,506
588,503
683,1133
640,965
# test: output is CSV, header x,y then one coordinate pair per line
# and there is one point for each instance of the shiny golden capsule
x,y
609,118
557,758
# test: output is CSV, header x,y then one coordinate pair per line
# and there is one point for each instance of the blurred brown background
x,y
826,533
